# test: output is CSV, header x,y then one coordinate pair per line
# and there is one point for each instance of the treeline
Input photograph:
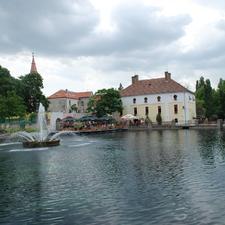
x,y
21,96
210,102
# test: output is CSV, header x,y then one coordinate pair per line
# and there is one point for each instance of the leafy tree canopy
x,y
11,105
105,101
221,99
30,89
210,103
7,82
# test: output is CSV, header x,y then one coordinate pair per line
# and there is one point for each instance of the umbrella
x,y
68,119
129,117
88,118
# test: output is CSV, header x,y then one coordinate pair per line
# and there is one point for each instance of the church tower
x,y
33,68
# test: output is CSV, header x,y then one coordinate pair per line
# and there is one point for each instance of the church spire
x,y
33,68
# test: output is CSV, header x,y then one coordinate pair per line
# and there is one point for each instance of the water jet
x,y
40,139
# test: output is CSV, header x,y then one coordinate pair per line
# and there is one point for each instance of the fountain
x,y
40,139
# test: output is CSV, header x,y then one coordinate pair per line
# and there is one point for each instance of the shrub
x,y
159,119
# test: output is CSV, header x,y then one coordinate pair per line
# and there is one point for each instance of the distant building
x,y
67,101
33,68
161,95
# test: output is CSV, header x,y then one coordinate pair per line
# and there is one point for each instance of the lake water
x,y
159,177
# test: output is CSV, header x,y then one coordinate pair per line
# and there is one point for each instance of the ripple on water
x,y
79,145
126,178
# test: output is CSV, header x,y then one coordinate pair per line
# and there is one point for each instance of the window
x,y
146,111
189,98
175,109
145,100
159,110
175,97
82,103
135,111
134,100
158,98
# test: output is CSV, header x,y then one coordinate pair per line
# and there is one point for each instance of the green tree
x,y
11,105
208,99
7,82
221,99
205,98
30,90
105,101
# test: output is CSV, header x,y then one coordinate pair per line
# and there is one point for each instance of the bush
x,y
159,119
148,121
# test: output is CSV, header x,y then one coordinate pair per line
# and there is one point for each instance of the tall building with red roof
x,y
164,96
67,101
33,68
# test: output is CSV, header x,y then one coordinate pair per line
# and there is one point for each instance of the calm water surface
x,y
158,177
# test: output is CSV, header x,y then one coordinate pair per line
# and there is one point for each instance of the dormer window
x,y
158,98
175,97
134,100
145,100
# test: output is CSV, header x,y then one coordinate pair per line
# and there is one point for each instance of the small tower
x,y
33,68
120,87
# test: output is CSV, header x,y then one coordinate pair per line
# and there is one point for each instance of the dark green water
x,y
158,177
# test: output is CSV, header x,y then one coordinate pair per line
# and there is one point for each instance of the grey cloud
x,y
138,27
208,54
48,26
68,28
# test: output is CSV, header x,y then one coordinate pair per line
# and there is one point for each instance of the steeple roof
x,y
33,68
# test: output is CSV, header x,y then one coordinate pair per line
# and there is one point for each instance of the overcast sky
x,y
84,45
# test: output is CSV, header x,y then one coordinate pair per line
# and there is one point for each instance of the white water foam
x,y
10,143
28,149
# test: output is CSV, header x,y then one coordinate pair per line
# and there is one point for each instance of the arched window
x,y
175,97
158,98
175,109
134,100
159,110
146,111
145,100
135,111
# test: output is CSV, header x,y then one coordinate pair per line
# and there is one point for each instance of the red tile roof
x,y
153,86
70,94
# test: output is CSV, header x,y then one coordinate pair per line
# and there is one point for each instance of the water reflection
x,y
158,177
211,146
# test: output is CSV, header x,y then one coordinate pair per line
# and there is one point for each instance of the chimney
x,y
134,79
167,75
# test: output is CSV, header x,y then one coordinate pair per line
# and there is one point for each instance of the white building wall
x,y
185,101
